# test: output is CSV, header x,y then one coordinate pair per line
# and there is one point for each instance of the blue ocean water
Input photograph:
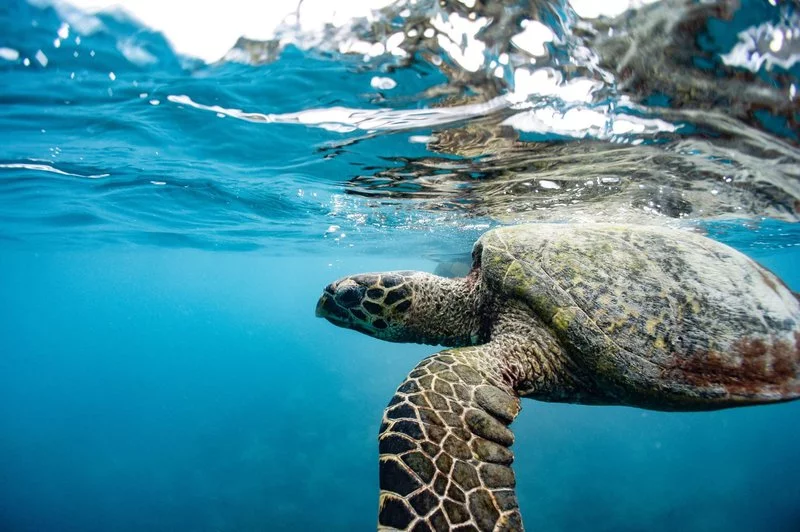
x,y
160,364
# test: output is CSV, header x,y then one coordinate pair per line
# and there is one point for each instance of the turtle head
x,y
406,306
377,304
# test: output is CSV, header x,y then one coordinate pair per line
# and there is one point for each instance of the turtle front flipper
x,y
445,462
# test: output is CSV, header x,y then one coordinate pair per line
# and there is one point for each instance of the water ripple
x,y
417,124
48,168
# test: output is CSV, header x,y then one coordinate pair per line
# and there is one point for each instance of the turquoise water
x,y
160,365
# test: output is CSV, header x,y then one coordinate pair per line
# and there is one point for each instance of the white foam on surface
x,y
47,168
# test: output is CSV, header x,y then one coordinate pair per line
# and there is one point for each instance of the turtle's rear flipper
x,y
445,460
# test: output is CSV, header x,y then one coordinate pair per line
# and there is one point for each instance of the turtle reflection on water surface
x,y
595,314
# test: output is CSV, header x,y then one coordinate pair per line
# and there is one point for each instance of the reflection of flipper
x,y
444,447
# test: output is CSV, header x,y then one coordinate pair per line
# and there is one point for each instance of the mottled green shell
x,y
656,317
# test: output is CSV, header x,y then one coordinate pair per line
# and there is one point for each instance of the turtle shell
x,y
655,317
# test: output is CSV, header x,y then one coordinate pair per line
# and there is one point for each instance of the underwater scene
x,y
179,183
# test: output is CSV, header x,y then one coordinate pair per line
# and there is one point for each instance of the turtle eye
x,y
350,296
390,280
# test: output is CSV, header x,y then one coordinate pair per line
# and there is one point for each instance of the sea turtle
x,y
650,317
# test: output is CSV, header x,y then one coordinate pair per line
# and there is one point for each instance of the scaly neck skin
x,y
446,311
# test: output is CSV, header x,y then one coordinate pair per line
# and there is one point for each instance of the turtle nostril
x,y
328,308
326,303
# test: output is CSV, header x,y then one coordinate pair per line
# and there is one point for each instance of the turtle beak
x,y
324,303
319,312
328,308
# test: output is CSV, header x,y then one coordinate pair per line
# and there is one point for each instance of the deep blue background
x,y
147,389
